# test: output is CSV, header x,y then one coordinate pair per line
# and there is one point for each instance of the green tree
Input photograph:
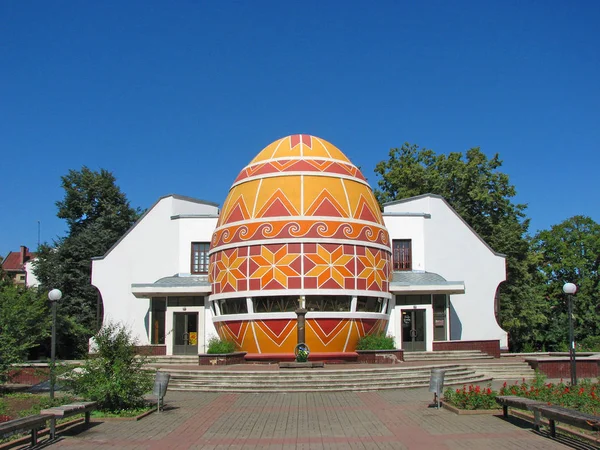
x,y
97,215
570,253
24,322
115,376
483,196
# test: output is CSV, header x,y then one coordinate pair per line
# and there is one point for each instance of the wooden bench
x,y
569,416
30,423
67,411
524,403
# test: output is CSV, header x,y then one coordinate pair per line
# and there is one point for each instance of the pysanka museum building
x,y
301,225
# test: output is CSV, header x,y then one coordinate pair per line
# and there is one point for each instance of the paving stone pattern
x,y
397,419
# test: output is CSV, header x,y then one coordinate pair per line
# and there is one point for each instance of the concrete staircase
x,y
510,371
301,380
177,360
451,355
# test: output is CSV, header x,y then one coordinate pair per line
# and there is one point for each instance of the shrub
x,y
115,377
217,345
378,341
589,344
474,397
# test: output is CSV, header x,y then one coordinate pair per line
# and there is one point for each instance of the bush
x,y
589,344
115,377
377,341
217,345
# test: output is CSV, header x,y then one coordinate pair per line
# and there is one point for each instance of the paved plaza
x,y
395,419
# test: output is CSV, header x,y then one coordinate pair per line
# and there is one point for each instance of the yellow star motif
x,y
228,269
329,265
374,271
274,266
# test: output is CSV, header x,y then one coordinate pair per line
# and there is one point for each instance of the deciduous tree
x,y
483,196
23,323
570,253
97,214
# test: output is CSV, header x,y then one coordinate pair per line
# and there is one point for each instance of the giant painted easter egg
x,y
300,223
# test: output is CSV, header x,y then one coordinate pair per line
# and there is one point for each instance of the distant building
x,y
301,226
14,265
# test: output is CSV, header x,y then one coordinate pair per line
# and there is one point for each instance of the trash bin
x,y
161,382
436,384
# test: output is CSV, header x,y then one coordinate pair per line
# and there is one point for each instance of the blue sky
x,y
176,97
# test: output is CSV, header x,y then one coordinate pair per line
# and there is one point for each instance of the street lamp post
x,y
570,289
54,296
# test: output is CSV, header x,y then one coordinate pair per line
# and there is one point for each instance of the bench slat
x,y
570,416
24,423
69,410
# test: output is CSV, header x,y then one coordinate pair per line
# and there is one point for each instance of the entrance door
x,y
185,340
413,330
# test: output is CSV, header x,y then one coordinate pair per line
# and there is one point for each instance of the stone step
x,y
450,355
301,380
314,379
310,374
331,387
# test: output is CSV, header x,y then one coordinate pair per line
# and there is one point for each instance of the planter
x,y
470,412
393,356
491,347
221,359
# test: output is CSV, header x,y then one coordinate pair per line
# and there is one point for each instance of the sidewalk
x,y
395,419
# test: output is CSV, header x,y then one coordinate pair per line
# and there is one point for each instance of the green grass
x,y
123,413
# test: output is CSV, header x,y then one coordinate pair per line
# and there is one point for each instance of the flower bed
x,y
471,398
583,397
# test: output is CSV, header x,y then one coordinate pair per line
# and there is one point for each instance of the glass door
x,y
413,330
185,339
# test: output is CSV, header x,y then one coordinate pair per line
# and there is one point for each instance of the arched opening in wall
x,y
99,310
497,305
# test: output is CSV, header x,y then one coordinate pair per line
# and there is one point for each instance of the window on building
x,y
159,308
413,299
275,304
200,257
402,254
234,306
369,304
328,302
439,317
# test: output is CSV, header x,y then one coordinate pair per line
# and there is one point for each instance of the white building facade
x,y
445,277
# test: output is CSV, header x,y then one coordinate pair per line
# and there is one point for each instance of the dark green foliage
x,y
570,252
115,377
98,214
377,341
589,344
482,195
218,346
24,322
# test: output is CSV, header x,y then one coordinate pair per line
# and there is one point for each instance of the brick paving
x,y
395,419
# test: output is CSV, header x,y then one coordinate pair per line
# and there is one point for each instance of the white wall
x,y
454,251
192,230
151,250
30,279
